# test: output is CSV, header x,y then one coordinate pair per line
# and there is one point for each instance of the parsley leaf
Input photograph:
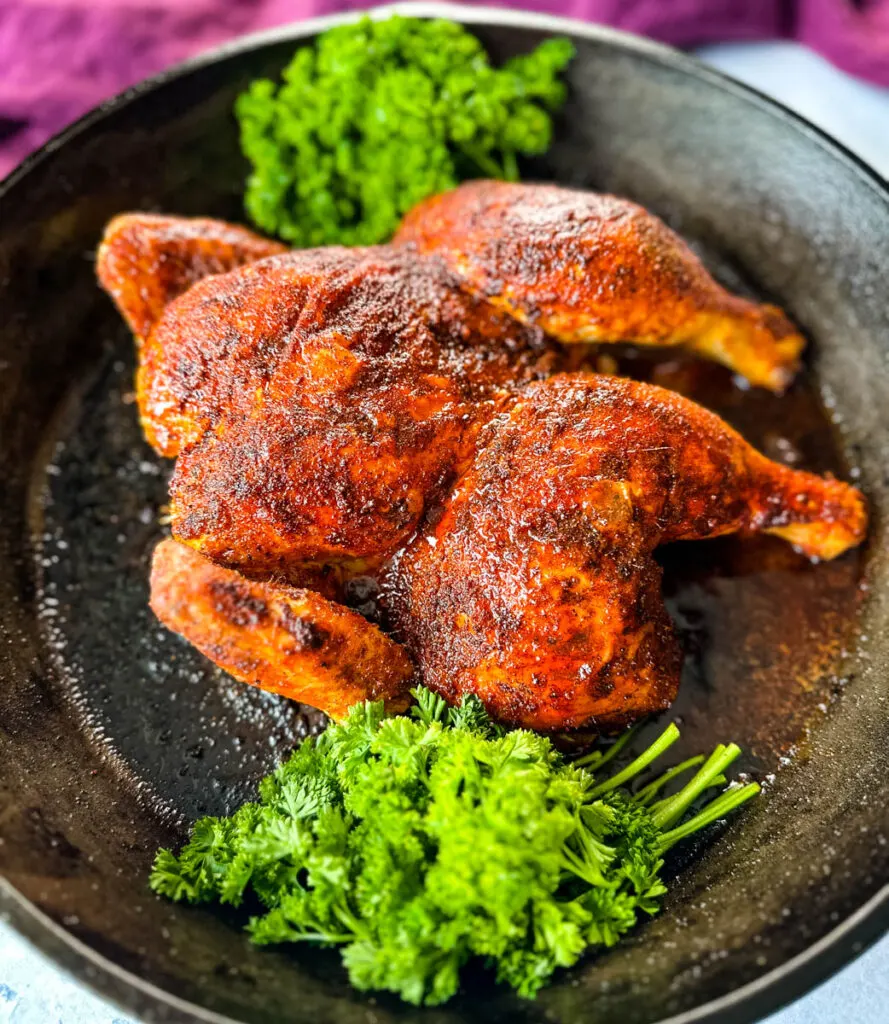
x,y
417,843
377,115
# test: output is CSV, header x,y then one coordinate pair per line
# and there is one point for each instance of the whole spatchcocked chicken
x,y
414,422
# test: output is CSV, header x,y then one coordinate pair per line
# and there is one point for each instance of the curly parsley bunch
x,y
379,114
419,843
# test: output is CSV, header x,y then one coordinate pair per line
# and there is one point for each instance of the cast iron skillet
x,y
113,732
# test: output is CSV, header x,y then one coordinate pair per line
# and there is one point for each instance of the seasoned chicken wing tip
x,y
146,260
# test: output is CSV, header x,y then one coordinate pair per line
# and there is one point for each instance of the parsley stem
x,y
715,810
590,863
348,919
596,758
649,792
510,166
484,162
666,740
668,811
330,937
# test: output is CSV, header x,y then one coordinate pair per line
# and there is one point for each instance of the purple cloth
x,y
58,58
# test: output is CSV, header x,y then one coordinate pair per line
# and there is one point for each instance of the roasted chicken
x,y
400,418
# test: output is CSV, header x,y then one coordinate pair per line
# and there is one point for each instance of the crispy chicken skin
x,y
277,637
537,589
339,413
590,267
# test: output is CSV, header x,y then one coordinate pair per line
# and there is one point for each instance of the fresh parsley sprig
x,y
417,843
379,114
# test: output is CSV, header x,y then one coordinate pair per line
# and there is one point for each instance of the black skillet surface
x,y
113,732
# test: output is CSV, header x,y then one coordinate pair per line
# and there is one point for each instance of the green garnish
x,y
418,843
379,114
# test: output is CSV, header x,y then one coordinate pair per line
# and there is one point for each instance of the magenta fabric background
x,y
58,58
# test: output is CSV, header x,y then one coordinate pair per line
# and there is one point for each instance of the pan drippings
x,y
762,628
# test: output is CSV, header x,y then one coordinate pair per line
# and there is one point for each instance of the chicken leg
x,y
590,267
537,589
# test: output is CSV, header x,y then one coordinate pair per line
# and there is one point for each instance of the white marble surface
x,y
33,991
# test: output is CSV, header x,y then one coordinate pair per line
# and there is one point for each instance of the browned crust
x,y
321,400
146,260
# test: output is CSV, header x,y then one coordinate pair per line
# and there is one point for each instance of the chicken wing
x,y
537,590
590,267
146,260
294,642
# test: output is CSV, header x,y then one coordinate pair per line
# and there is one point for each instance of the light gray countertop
x,y
33,991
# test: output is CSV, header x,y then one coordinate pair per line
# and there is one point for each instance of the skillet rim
x,y
744,1005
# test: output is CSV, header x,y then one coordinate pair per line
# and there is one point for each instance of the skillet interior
x,y
91,740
